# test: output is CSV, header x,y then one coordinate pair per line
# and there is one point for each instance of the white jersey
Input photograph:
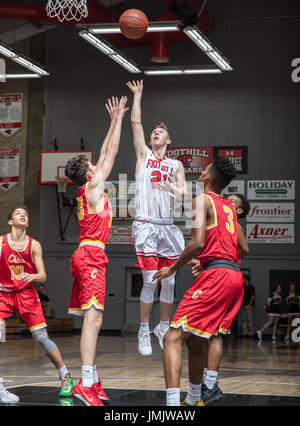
x,y
152,204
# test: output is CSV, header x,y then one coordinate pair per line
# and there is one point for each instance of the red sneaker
x,y
87,395
99,389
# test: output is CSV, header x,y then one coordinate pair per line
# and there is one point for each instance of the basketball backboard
x,y
52,164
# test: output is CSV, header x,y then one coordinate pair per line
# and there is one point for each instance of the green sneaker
x,y
67,385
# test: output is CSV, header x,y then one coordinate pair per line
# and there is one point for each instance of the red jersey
x,y
14,262
221,236
94,224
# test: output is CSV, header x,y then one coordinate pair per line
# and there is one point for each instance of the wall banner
x,y
9,168
10,113
235,187
238,155
271,189
195,159
270,233
271,212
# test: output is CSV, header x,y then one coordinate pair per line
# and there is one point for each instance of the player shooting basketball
x,y
89,261
158,242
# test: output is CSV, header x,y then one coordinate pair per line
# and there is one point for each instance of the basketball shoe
x,y
87,395
67,385
99,389
144,345
209,396
198,404
7,397
159,333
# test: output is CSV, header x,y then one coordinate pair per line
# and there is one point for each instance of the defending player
x,y
89,261
158,242
21,265
210,305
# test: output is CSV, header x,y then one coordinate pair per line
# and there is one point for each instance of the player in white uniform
x,y
158,242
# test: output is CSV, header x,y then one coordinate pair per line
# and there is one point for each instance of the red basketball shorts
x,y
211,303
88,268
28,305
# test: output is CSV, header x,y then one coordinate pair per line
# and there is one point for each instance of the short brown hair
x,y
76,169
162,126
10,214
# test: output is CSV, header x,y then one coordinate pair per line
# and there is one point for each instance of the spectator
x,y
293,302
273,308
247,307
45,301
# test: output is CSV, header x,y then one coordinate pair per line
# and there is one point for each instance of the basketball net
x,y
67,9
61,183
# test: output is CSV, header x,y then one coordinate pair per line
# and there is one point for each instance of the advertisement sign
x,y
238,155
195,159
9,168
10,113
271,212
271,189
269,233
235,187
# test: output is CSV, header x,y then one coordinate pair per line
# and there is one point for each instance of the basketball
x,y
133,23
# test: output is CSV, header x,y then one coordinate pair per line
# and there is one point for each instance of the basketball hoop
x,y
62,183
67,9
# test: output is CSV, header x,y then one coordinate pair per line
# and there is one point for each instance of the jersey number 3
x,y
229,223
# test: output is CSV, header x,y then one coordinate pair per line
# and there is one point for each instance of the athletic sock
x,y
164,325
194,394
95,375
87,376
62,372
144,326
210,378
173,396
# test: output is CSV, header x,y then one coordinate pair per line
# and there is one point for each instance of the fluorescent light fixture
x,y
22,76
201,41
159,26
181,71
20,59
110,51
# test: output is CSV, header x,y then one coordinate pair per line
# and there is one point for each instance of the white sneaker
x,y
159,333
259,335
287,338
144,345
274,338
7,397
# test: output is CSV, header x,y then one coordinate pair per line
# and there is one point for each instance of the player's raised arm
x,y
102,171
112,107
139,143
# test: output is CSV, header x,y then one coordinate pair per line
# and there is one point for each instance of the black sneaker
x,y
209,396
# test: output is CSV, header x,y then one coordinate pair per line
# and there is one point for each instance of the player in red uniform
x,y
210,305
21,265
89,261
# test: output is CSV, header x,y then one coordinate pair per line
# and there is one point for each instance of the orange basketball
x,y
133,23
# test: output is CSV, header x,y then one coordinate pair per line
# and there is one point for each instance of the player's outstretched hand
x,y
122,106
135,86
162,273
112,107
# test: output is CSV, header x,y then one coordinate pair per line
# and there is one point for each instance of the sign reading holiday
x,y
271,212
10,113
195,159
270,233
271,189
238,155
9,168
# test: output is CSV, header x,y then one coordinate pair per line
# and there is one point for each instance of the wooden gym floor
x,y
252,372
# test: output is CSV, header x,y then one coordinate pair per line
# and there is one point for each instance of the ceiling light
x,y
22,76
110,51
201,41
20,59
181,71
